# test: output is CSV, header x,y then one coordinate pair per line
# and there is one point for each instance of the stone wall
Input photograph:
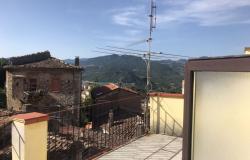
x,y
18,82
124,104
125,100
13,103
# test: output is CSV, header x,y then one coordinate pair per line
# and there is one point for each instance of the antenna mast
x,y
152,26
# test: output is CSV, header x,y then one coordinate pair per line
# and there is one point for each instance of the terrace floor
x,y
151,147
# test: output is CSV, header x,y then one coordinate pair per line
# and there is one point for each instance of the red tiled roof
x,y
129,90
108,88
111,86
167,95
98,91
29,118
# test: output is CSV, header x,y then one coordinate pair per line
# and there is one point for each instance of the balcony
x,y
154,146
33,96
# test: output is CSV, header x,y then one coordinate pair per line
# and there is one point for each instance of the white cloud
x,y
129,16
134,21
124,38
133,32
201,12
205,12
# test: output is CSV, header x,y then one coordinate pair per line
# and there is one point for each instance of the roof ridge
x,y
30,58
50,62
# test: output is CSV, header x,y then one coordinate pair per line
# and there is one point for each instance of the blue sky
x,y
76,27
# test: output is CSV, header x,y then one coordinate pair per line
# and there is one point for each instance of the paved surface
x,y
152,147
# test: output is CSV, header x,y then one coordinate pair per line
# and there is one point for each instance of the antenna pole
x,y
152,25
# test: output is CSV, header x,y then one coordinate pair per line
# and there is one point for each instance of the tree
x,y
3,62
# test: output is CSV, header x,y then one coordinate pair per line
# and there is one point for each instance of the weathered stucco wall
x,y
67,83
12,101
29,137
166,114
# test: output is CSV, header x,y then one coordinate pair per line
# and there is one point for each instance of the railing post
x,y
29,136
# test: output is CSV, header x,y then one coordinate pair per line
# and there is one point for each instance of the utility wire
x,y
96,104
113,51
157,57
136,50
161,53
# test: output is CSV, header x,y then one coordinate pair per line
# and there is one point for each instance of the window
x,y
55,85
33,84
25,85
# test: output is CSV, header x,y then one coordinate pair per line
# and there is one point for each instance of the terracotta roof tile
x,y
167,95
29,118
98,91
111,86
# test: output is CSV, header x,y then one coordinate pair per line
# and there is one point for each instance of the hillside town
x,y
40,83
96,93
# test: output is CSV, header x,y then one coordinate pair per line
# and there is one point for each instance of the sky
x,y
69,28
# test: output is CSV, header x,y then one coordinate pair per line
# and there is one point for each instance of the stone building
x,y
39,82
120,102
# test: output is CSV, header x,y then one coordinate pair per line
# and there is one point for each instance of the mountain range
x,y
131,71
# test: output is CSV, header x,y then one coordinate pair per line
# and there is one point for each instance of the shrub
x,y
2,98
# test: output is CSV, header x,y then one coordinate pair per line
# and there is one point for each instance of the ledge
x,y
166,95
30,118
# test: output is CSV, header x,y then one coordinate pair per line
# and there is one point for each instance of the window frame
x,y
32,83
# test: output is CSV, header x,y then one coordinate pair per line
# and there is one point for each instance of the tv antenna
x,y
152,26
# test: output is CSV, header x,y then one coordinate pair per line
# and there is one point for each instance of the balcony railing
x,y
33,96
5,138
70,138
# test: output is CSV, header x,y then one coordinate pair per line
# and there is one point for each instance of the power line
x,y
129,49
153,52
113,50
136,53
109,52
162,53
96,104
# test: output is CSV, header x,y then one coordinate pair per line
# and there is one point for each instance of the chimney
x,y
77,61
247,50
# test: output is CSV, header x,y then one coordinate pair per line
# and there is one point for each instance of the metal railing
x,y
73,138
174,127
5,133
164,122
82,132
5,139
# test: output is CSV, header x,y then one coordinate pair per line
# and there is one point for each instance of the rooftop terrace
x,y
151,147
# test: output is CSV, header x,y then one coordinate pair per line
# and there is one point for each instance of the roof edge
x,y
220,57
166,95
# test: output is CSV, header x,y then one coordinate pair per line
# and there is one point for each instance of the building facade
x,y
120,102
44,85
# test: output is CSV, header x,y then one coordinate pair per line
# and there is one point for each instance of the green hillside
x,y
131,70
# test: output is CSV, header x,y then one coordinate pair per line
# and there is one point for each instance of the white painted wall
x,y
166,115
221,116
29,142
